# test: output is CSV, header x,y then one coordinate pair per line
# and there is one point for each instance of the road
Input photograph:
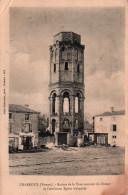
x,y
78,161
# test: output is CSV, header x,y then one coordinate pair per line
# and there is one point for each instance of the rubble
x,y
65,147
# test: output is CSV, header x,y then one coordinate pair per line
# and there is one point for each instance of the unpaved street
x,y
78,161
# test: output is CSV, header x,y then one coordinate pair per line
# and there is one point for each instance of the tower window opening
x,y
77,103
66,105
66,102
54,103
54,67
78,68
10,115
66,65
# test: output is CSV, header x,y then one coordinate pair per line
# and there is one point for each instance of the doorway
x,y
101,139
27,142
62,138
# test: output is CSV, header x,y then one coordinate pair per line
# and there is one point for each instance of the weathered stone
x,y
66,83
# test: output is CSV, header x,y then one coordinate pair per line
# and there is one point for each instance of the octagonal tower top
x,y
67,36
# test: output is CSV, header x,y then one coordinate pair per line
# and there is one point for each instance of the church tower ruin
x,y
66,87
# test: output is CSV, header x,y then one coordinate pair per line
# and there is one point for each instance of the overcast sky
x,y
102,33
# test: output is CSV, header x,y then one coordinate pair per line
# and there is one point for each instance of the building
x,y
109,128
66,87
23,127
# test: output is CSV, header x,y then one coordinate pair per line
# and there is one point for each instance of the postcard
x,y
64,97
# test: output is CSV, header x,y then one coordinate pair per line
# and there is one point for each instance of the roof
x,y
121,112
66,32
19,108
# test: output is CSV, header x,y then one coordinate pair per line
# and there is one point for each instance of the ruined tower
x,y
66,87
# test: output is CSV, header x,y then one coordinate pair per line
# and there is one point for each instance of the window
x,y
66,65
66,124
66,105
77,103
28,127
114,136
26,117
101,119
114,127
54,103
67,39
10,115
54,67
66,102
78,68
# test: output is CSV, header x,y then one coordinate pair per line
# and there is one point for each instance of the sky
x,y
102,32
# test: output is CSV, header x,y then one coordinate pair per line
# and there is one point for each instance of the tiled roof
x,y
19,108
121,112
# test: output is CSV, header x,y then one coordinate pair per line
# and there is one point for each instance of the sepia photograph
x,y
66,108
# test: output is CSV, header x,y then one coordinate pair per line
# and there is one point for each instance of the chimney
x,y
26,105
112,109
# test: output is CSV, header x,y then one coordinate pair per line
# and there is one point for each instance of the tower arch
x,y
78,101
66,102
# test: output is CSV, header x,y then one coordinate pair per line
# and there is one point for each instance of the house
x,y
109,128
23,127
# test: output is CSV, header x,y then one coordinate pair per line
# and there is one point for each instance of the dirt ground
x,y
78,161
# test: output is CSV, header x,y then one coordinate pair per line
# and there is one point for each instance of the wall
x,y
104,126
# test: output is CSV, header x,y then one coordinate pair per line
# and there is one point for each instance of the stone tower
x,y
66,87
